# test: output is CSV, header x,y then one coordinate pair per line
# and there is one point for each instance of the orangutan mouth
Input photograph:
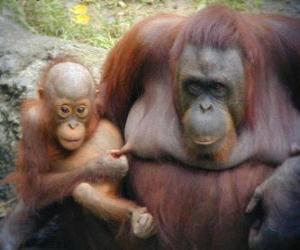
x,y
206,141
72,140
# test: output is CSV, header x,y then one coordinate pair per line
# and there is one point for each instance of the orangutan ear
x,y
41,93
100,92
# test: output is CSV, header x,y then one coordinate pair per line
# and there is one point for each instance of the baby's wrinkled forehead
x,y
69,80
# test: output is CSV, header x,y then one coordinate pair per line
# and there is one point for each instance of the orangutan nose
x,y
73,124
206,106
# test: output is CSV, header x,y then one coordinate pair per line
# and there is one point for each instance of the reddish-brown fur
x,y
133,50
202,209
197,209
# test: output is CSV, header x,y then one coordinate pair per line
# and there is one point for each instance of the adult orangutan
x,y
63,153
209,106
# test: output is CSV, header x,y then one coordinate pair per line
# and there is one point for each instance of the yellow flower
x,y
122,4
82,19
79,9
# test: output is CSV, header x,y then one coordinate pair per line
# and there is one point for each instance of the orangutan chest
x,y
197,209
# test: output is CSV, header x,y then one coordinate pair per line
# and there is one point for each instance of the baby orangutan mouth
x,y
72,140
206,140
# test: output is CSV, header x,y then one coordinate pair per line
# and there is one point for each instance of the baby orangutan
x,y
64,151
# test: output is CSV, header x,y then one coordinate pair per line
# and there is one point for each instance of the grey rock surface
x,y
289,7
22,57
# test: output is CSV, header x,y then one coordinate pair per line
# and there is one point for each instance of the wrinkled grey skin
x,y
276,207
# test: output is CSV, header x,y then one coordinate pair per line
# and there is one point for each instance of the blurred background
x,y
101,22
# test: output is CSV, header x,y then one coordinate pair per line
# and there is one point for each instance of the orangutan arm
x,y
88,164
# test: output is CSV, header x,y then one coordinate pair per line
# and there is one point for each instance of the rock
x,y
289,7
22,57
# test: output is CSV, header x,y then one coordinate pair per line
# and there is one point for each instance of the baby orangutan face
x,y
72,117
71,93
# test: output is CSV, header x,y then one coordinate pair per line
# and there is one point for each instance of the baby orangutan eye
x,y
64,111
82,111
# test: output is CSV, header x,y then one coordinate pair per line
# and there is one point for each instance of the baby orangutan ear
x,y
99,93
99,100
41,93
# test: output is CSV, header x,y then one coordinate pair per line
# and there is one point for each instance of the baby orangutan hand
x,y
142,223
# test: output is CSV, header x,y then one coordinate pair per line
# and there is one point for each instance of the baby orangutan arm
x,y
104,201
89,163
103,198
59,184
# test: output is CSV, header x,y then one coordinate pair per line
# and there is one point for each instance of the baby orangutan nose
x,y
73,124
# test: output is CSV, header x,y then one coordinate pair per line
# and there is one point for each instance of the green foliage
x,y
100,23
48,17
237,4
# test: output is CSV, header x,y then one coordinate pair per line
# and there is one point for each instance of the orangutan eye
x,y
64,111
82,111
193,86
218,89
